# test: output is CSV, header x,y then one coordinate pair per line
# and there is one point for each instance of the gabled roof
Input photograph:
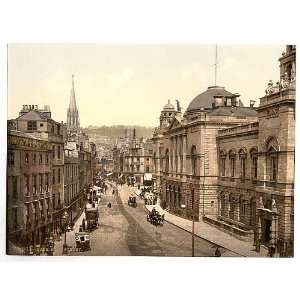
x,y
32,115
175,122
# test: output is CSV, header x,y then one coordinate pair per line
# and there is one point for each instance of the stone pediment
x,y
176,122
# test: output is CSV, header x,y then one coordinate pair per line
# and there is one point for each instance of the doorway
x,y
267,229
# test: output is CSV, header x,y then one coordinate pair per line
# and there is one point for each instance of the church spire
x,y
73,124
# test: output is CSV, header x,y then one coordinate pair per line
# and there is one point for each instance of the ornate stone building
x,y
29,189
133,160
256,168
38,122
185,152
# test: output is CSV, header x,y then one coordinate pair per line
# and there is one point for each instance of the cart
x,y
82,241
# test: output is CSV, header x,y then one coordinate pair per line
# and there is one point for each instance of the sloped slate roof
x,y
32,115
234,111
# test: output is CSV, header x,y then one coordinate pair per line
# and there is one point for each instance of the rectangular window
x,y
232,163
41,183
31,125
26,158
273,168
11,158
58,152
15,187
47,182
47,158
16,218
222,166
53,152
243,167
53,177
53,200
254,167
41,159
26,177
34,183
58,176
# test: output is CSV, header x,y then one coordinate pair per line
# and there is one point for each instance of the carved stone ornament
x,y
285,82
270,88
273,112
260,202
274,207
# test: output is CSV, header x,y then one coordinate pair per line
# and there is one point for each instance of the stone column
x,y
257,235
178,153
173,156
184,154
158,158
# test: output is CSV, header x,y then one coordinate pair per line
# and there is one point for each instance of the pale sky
x,y
129,84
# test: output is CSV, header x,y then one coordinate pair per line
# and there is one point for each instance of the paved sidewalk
x,y
212,234
58,247
203,230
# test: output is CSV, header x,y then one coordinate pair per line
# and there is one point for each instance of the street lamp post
x,y
193,231
65,223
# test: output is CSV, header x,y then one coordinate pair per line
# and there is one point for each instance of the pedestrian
x,y
217,252
83,224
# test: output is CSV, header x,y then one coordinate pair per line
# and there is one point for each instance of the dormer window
x,y
31,125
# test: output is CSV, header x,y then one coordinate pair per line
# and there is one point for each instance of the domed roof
x,y
206,99
169,106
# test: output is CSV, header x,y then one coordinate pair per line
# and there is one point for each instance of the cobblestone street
x,y
124,230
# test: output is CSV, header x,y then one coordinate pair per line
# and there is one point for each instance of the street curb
x,y
201,237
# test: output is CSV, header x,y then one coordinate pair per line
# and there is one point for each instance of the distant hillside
x,y
119,130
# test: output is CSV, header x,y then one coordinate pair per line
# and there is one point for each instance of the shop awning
x,y
148,176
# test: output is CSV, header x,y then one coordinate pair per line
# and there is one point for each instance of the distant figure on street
x,y
109,205
83,224
217,252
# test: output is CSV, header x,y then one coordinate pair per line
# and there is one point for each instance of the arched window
x,y
222,163
167,161
242,156
193,160
253,154
272,158
232,158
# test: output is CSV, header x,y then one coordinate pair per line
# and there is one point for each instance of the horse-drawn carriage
x,y
132,201
92,217
155,218
82,239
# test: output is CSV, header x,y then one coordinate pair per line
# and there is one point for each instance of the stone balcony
x,y
242,129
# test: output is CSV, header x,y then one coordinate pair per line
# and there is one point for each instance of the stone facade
x,y
29,189
133,160
38,123
185,151
256,168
